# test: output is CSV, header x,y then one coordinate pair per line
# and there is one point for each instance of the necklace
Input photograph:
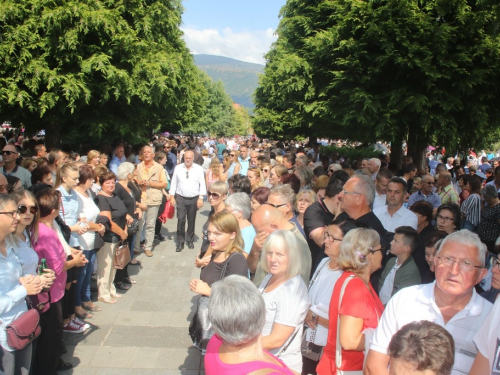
x,y
330,268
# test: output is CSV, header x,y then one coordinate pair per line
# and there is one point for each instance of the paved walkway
x,y
146,332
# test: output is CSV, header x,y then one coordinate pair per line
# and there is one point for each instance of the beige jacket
x,y
155,173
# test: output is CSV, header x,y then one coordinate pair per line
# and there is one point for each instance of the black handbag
x,y
134,227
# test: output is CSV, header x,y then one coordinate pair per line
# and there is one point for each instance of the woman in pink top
x,y
238,314
50,342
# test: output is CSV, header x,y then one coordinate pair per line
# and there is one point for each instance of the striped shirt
x,y
471,207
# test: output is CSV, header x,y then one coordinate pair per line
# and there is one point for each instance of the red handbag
x,y
168,212
23,330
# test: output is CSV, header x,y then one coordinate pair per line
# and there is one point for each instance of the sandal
x,y
122,286
128,280
116,296
85,315
138,263
91,308
106,300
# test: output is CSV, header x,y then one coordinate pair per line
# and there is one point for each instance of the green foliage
x,y
101,67
384,70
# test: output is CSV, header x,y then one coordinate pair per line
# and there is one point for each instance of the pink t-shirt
x,y
214,366
49,247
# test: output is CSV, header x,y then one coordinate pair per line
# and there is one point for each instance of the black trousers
x,y
186,208
49,344
68,301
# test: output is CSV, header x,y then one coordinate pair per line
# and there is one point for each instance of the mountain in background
x,y
240,78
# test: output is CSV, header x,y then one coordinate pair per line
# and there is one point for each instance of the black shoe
x,y
63,366
179,247
159,237
190,245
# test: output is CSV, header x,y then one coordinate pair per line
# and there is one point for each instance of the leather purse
x,y
41,301
134,227
122,256
22,331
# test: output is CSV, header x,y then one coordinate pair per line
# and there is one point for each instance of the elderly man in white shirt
x,y
187,190
451,301
395,215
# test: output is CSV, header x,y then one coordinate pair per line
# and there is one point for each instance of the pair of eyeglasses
x,y
8,152
372,250
329,237
495,262
440,217
12,214
213,195
232,155
350,192
331,170
265,170
464,265
187,174
22,209
276,205
429,182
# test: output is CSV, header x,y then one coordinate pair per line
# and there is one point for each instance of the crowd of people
x,y
310,263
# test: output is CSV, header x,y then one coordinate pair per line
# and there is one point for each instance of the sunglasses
x,y
232,155
8,152
265,170
23,209
187,174
213,195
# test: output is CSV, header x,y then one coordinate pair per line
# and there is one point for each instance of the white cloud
x,y
249,46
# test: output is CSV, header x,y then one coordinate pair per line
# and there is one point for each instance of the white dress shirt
x,y
401,217
416,303
188,183
380,200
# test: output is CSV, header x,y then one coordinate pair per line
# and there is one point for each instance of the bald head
x,y
267,219
188,158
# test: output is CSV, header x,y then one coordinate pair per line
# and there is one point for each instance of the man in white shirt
x,y
187,190
374,166
381,182
451,301
395,214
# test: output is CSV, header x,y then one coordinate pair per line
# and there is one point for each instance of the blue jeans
x,y
83,280
468,225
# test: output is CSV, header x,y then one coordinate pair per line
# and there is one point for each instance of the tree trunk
x,y
397,151
417,144
52,135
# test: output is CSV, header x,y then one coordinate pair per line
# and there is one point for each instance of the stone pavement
x,y
146,332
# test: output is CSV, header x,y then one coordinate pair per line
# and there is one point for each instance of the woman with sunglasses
x,y
360,308
27,233
320,292
233,166
15,286
217,194
266,168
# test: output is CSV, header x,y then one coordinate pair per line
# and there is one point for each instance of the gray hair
x,y
286,194
285,240
124,169
376,161
355,247
305,174
467,238
236,310
365,187
240,202
489,192
335,166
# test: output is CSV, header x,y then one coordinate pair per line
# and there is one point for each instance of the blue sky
x,y
243,30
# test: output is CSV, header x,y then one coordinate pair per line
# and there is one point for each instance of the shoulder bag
x,y
200,329
122,256
24,329
308,348
338,348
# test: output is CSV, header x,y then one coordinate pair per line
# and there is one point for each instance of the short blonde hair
x,y
355,247
312,196
219,187
285,240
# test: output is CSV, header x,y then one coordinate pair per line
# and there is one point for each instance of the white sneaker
x,y
78,322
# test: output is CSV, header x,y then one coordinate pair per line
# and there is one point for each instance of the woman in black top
x,y
125,174
114,209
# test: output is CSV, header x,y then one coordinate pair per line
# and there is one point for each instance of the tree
x,y
109,67
385,69
217,109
